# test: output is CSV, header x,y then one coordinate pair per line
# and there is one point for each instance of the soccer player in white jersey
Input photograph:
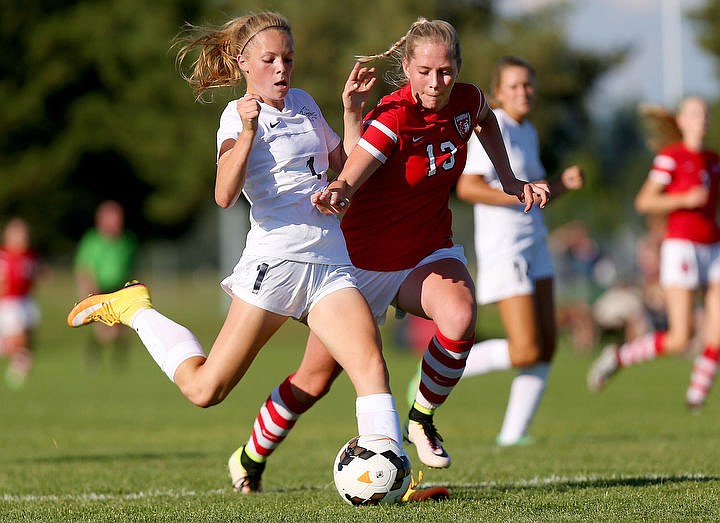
x,y
275,147
683,184
514,266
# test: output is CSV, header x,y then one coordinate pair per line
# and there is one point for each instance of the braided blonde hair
x,y
404,49
216,65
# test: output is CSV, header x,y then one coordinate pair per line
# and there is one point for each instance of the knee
x,y
457,323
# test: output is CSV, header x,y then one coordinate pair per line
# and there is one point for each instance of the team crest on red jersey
x,y
462,124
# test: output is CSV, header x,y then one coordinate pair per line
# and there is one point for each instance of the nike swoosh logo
x,y
274,124
416,139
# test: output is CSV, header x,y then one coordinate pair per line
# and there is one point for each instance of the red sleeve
x,y
381,133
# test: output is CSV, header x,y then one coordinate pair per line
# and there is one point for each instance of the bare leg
x,y
207,381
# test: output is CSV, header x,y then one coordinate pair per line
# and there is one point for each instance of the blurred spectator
x,y
581,272
633,307
104,261
18,311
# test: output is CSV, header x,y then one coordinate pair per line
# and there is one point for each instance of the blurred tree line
x,y
94,107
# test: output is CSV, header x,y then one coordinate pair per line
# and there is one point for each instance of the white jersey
x,y
499,229
288,162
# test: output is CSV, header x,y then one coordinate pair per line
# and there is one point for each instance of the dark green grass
x,y
123,445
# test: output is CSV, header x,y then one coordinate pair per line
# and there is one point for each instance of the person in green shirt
x,y
104,261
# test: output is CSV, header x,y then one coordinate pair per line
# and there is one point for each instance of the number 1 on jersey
x,y
311,166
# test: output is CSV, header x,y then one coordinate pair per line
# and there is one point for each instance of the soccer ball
x,y
371,469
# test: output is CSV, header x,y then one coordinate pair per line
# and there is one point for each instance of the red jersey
x,y
401,214
17,272
679,169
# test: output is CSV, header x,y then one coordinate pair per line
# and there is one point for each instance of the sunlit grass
x,y
122,444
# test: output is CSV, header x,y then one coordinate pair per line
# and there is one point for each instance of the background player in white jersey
x,y
513,260
275,146
684,185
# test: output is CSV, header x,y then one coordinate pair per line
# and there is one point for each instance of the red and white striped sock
x,y
703,375
442,366
644,348
275,420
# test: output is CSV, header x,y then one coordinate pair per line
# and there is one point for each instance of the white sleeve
x,y
230,125
478,162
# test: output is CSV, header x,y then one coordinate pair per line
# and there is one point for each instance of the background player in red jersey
x,y
18,312
398,228
682,184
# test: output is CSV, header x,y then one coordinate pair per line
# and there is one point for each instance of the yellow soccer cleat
x,y
111,308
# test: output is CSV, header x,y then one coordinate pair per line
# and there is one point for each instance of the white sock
x,y
168,343
525,394
376,414
487,356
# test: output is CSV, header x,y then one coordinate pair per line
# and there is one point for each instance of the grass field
x,y
123,445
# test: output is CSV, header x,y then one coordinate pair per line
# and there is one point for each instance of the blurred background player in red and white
x,y
104,261
514,262
18,312
683,184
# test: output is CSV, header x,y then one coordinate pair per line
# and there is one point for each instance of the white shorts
x,y
17,315
513,273
285,287
380,288
688,264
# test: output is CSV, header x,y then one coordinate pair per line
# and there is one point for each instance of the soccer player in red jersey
x,y
18,312
395,189
682,184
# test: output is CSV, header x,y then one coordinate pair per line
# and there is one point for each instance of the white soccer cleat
x,y
426,439
242,481
604,366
